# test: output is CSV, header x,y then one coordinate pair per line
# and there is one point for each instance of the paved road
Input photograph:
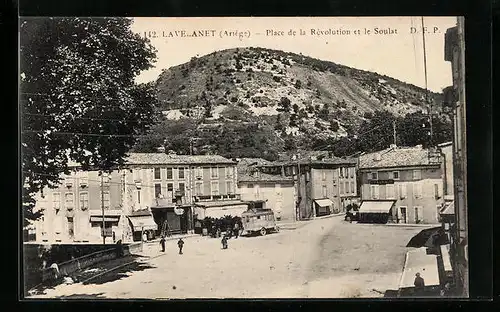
x,y
325,258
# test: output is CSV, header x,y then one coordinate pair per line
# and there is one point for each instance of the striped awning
x,y
378,206
143,222
324,202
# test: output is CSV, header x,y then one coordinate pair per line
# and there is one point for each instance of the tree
x,y
376,133
79,99
334,125
284,105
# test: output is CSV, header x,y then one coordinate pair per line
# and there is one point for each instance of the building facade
x,y
151,192
410,176
322,183
455,54
73,212
276,190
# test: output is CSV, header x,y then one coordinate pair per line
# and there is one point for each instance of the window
x,y
402,191
325,191
229,172
395,175
257,191
437,194
341,172
417,174
157,173
341,191
214,187
390,191
106,178
351,172
84,179
347,190
84,200
198,188
137,175
199,172
157,190
106,200
56,201
250,185
417,190
323,175
229,187
418,214
181,173
139,196
353,190
170,188
169,174
182,187
374,175
68,200
214,172
374,191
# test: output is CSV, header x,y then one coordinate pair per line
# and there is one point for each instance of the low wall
x,y
35,255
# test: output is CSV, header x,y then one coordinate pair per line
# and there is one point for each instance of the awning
x,y
378,206
418,261
143,222
106,219
323,202
219,212
430,237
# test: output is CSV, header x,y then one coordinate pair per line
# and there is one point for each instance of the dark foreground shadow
x,y
390,293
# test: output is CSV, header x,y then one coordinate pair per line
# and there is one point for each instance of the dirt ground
x,y
326,258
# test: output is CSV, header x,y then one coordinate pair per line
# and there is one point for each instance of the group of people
x,y
180,244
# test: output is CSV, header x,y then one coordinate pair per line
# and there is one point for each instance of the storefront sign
x,y
389,181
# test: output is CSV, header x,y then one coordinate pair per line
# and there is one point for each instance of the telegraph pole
x,y
394,131
102,207
427,102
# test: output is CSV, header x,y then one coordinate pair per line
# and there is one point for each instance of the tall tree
x,y
79,99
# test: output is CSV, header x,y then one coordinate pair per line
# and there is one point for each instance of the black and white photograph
x,y
243,157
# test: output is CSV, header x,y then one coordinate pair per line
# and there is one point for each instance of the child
x,y
180,243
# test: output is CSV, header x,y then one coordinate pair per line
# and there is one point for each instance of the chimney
x,y
161,149
392,146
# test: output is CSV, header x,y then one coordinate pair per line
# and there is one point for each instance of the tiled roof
x,y
162,158
247,167
262,177
331,160
396,157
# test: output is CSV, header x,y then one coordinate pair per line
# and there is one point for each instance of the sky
x,y
393,46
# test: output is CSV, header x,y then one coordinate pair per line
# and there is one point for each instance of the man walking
x,y
180,243
162,243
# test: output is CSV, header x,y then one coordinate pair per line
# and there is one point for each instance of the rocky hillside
x,y
297,96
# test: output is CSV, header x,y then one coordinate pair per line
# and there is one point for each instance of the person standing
x,y
144,237
162,243
180,243
236,229
224,242
419,284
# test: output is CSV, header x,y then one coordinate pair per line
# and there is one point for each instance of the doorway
x,y
404,217
71,227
